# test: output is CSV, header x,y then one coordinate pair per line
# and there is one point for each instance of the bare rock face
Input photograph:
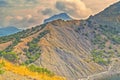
x,y
66,52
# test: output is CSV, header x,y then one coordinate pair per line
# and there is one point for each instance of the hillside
x,y
57,47
72,49
109,16
11,71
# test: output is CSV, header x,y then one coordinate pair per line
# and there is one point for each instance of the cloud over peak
x,y
75,8
25,13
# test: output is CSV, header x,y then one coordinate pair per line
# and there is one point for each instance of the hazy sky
x,y
27,13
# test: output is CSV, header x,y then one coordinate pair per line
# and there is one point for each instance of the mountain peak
x,y
113,9
109,16
62,16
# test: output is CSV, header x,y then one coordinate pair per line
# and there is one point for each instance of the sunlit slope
x,y
24,71
58,47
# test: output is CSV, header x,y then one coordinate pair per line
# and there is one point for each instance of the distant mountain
x,y
8,30
62,16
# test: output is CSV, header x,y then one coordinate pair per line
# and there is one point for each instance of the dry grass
x,y
23,71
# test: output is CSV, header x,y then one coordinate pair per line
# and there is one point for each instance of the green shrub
x,y
1,68
22,34
11,56
34,51
111,32
110,47
34,68
98,57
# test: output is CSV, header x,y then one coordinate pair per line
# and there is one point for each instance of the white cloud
x,y
26,13
75,8
98,5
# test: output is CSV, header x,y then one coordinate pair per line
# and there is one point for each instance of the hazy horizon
x,y
28,13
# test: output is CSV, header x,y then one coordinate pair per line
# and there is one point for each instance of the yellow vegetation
x,y
22,70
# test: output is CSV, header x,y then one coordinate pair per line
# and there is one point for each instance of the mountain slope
x,y
8,30
16,72
109,16
63,50
62,16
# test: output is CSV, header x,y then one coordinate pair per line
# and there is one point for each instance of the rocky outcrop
x,y
66,52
